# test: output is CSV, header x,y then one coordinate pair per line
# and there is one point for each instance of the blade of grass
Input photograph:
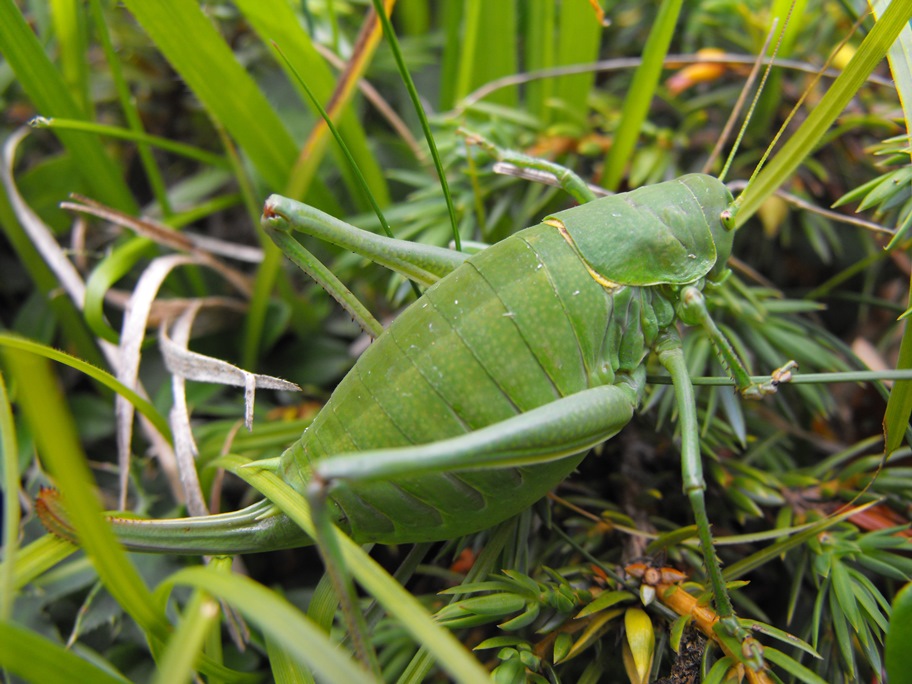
x,y
9,453
452,53
792,666
578,42
415,16
137,136
466,47
48,91
36,558
285,669
495,49
808,136
639,95
38,659
275,616
398,602
116,264
541,24
422,117
69,23
276,22
197,619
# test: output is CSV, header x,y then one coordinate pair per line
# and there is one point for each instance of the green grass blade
x,y
275,616
35,658
899,405
422,117
197,619
70,31
869,54
35,559
43,404
495,49
197,52
541,24
452,53
842,587
49,93
139,137
898,656
9,453
115,265
466,46
639,96
142,405
450,654
285,669
415,16
276,22
578,42
792,666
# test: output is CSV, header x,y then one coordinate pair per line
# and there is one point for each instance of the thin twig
x,y
625,63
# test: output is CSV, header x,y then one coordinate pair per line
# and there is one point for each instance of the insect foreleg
x,y
671,355
692,311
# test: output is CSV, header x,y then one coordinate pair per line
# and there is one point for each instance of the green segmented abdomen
x,y
515,327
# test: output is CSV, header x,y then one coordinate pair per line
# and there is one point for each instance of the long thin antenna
x,y
739,105
739,200
750,111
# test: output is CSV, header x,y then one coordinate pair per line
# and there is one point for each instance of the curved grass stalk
x,y
139,137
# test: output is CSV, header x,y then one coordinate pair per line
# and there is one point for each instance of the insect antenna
x,y
740,199
741,99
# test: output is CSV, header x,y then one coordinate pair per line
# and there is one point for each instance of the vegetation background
x,y
182,113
